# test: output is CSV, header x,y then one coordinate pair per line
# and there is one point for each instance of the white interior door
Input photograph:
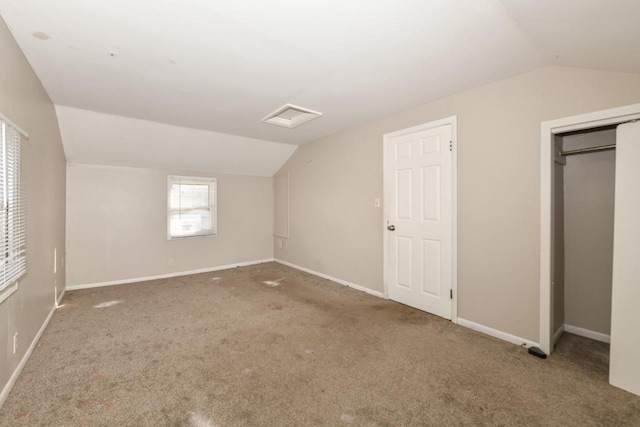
x,y
624,368
418,182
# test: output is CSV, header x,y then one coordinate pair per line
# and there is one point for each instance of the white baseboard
x,y
333,279
558,334
166,276
60,298
598,336
496,333
16,372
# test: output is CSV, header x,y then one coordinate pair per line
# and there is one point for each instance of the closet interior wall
x,y
584,233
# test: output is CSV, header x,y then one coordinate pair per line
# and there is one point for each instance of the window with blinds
x,y
13,232
191,207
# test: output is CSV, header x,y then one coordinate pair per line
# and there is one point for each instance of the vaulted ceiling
x,y
221,66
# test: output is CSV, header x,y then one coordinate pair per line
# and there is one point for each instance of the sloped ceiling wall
x,y
106,139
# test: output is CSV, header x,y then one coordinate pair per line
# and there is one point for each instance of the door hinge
x,y
450,145
451,293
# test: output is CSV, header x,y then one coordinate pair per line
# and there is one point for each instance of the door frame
x,y
386,192
549,129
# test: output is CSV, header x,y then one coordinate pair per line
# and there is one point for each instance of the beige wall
x,y
589,186
335,229
24,101
117,224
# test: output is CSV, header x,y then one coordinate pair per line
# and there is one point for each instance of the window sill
x,y
7,292
190,237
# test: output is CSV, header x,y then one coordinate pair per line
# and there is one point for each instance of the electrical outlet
x,y
171,261
15,343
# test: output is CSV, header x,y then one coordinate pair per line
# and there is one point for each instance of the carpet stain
x,y
21,415
106,304
199,420
346,418
273,283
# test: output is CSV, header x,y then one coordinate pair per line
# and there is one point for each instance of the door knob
x,y
391,227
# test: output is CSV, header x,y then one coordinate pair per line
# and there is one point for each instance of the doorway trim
x,y
386,191
549,129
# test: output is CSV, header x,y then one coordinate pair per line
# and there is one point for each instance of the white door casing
x,y
549,129
624,369
420,204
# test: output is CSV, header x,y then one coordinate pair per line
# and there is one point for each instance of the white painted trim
x,y
8,291
386,210
548,130
386,191
454,218
598,336
13,125
496,333
558,334
60,298
333,279
16,372
166,276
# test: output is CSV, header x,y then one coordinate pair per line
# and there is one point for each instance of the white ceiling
x,y
223,65
596,34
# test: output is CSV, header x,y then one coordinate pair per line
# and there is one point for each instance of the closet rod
x,y
588,150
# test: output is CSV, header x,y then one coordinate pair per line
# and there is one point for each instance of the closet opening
x,y
584,198
579,185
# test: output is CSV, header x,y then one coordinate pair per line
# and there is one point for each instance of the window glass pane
x,y
186,196
185,223
192,206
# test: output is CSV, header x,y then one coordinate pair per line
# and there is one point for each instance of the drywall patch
x,y
40,35
106,304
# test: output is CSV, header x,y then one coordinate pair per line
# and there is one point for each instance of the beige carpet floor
x,y
270,346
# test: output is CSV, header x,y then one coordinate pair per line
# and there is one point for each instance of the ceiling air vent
x,y
291,116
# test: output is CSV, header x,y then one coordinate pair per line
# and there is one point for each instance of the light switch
x,y
376,202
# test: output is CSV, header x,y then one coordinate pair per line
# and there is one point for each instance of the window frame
x,y
213,203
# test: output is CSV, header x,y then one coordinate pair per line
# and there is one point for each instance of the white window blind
x,y
13,232
191,207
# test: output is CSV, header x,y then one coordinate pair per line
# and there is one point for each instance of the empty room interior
x,y
292,213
